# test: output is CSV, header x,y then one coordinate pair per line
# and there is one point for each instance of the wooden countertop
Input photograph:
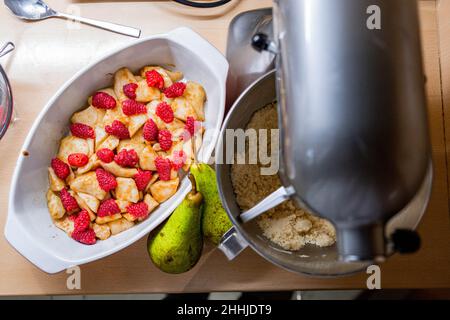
x,y
50,52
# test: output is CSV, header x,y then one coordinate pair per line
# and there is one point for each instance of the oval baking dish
x,y
29,228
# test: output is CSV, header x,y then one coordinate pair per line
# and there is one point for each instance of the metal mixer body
x,y
355,143
354,136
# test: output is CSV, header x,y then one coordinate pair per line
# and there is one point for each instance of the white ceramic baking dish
x,y
29,228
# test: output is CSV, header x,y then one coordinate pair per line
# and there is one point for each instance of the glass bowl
x,y
6,100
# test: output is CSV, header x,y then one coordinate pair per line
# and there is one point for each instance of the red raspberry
x,y
127,158
118,129
106,180
178,159
69,202
165,112
108,208
150,130
130,90
103,100
82,220
165,139
106,155
131,108
154,79
78,159
138,210
190,126
84,236
175,90
163,166
83,131
61,168
142,178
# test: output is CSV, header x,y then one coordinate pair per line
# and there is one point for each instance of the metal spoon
x,y
39,10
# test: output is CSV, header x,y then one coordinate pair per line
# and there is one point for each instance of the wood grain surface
x,y
49,52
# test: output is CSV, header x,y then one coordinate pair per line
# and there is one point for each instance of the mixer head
x,y
354,136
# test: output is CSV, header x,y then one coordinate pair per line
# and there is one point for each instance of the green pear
x,y
215,221
177,246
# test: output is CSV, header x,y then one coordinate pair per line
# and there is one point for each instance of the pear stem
x,y
193,183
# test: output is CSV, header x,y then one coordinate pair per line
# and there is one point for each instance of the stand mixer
x,y
354,138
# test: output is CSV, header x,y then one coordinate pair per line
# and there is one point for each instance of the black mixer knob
x,y
260,41
406,241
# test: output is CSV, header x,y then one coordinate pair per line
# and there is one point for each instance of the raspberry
x,y
175,90
127,158
190,125
69,202
118,129
150,130
78,159
163,166
138,210
103,100
105,179
106,155
165,112
165,139
84,236
154,79
82,221
131,108
108,208
83,131
178,159
61,168
142,178
130,90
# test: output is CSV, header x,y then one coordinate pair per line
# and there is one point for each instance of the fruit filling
x,y
125,153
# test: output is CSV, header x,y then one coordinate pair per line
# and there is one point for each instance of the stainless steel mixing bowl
x,y
310,260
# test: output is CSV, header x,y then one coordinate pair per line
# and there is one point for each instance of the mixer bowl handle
x,y
232,244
